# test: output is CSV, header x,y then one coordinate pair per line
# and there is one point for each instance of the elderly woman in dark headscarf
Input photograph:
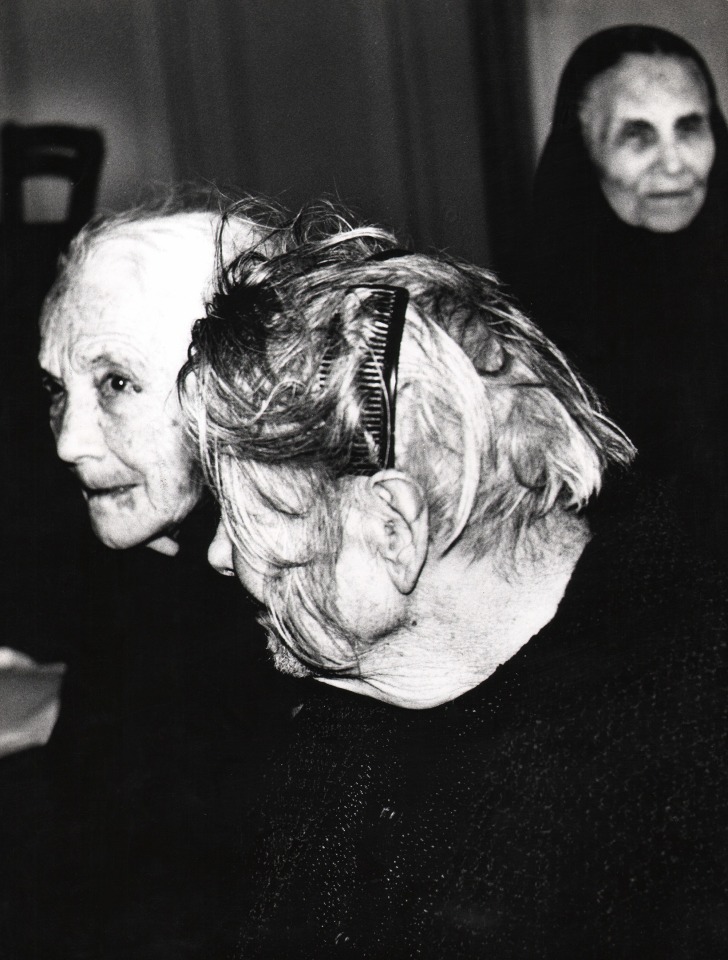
x,y
628,260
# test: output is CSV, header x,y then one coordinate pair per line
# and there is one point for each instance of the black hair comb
x,y
382,310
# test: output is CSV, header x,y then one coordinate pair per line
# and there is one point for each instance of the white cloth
x,y
29,700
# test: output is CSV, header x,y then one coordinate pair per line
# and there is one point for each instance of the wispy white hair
x,y
170,221
491,420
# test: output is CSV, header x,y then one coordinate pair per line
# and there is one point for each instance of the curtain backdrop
x,y
500,40
408,109
375,101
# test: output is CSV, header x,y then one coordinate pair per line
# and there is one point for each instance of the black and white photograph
x,y
363,408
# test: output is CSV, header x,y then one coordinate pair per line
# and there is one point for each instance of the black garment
x,y
167,712
571,806
643,315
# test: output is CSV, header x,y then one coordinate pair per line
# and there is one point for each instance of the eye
x,y
117,383
52,387
114,384
638,134
694,124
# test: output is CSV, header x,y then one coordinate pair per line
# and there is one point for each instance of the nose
x,y
77,431
671,157
220,552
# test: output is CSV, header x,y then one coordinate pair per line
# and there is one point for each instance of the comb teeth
x,y
325,368
372,378
382,310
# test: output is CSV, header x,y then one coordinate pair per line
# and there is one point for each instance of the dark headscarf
x,y
643,314
567,194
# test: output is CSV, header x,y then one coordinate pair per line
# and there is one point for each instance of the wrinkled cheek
x,y
127,444
168,468
359,589
624,199
253,582
625,183
702,160
175,487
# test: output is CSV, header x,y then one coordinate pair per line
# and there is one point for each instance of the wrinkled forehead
x,y
642,85
145,286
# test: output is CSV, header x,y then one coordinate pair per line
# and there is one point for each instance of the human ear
x,y
400,526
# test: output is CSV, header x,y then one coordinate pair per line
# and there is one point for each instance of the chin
x,y
670,224
671,218
124,536
116,540
283,660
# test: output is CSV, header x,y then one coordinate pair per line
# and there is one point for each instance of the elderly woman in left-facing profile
x,y
165,709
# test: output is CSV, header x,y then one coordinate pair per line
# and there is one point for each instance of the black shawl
x,y
642,314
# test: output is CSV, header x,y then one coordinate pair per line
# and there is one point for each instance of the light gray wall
x,y
372,100
90,62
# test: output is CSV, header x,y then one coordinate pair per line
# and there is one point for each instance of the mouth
x,y
670,196
95,493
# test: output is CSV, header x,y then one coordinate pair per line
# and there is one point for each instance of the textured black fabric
x,y
571,806
642,314
168,710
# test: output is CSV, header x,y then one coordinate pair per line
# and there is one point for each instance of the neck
x,y
467,617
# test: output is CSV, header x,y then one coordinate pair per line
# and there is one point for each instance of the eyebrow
x,y
100,361
115,359
692,117
635,123
630,126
